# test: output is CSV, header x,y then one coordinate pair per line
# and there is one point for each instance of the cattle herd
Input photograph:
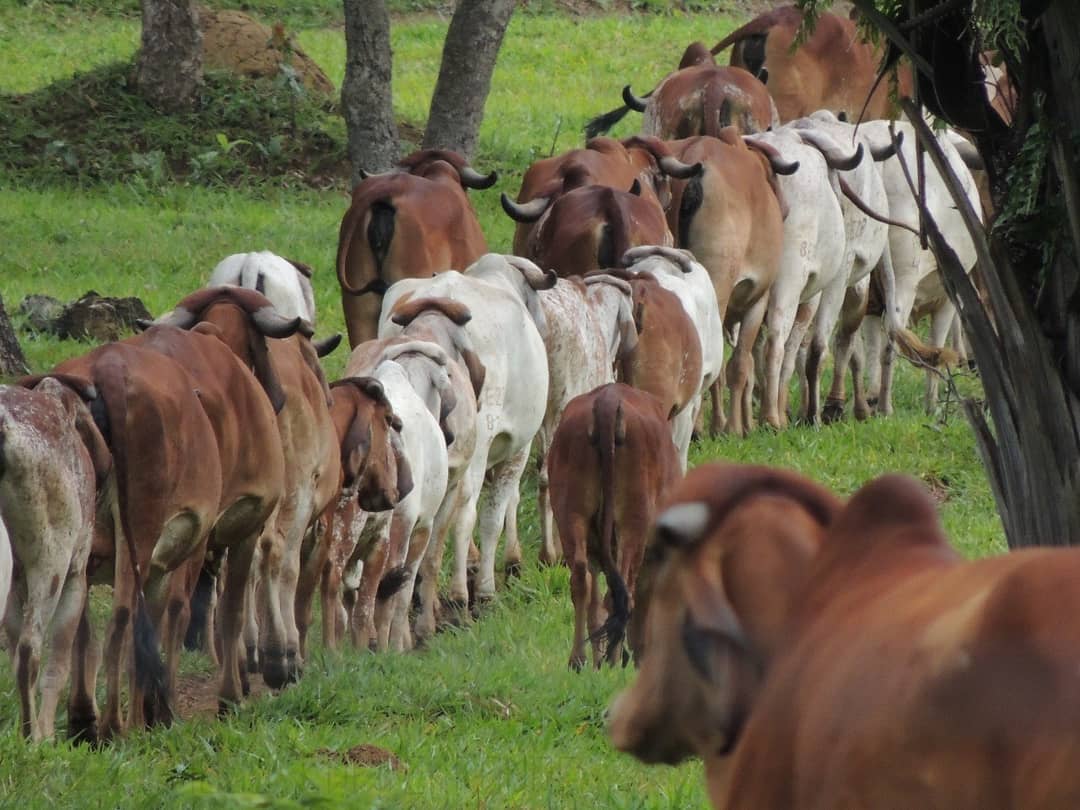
x,y
815,653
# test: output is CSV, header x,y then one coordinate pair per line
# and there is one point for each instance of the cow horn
x,y
180,317
432,351
606,278
326,345
779,165
831,151
683,524
142,324
525,212
365,175
471,178
272,324
683,258
673,167
632,101
879,153
538,279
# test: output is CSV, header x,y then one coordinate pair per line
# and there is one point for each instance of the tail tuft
x,y
911,347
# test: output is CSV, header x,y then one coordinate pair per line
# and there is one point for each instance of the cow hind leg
x,y
503,493
85,659
65,625
237,573
581,583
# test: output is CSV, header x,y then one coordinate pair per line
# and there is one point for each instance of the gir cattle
x,y
611,461
892,674
731,218
407,223
490,320
287,284
702,100
279,353
603,162
160,501
591,227
51,458
834,69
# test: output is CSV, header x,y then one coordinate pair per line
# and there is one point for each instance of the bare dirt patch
x,y
364,755
196,694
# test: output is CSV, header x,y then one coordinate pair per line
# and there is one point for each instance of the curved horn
x,y
779,165
673,167
683,524
180,317
326,345
632,101
364,175
683,258
525,212
432,351
537,279
471,178
622,285
405,312
831,151
274,325
879,153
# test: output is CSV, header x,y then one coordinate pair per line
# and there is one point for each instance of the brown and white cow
x,y
591,227
834,69
603,162
408,223
301,397
851,658
161,500
702,100
48,488
611,460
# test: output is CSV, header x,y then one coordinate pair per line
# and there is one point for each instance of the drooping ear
x,y
471,359
263,367
207,328
447,402
354,450
404,471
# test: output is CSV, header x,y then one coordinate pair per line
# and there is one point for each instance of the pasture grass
x,y
488,716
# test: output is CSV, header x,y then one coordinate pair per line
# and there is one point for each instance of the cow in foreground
x,y
51,458
407,223
286,283
851,658
610,462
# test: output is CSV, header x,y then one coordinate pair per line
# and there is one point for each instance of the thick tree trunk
x,y
12,361
366,96
170,59
468,60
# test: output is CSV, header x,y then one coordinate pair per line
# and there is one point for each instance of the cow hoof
x,y
577,663
82,728
513,569
252,659
547,560
481,605
833,411
275,674
226,707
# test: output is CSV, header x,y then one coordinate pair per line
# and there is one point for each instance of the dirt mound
x,y
365,755
236,42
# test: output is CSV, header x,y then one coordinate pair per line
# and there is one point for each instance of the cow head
x,y
420,163
656,164
373,463
243,319
445,319
729,553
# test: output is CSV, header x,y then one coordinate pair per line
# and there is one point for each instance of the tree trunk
x,y
170,59
366,95
12,361
468,60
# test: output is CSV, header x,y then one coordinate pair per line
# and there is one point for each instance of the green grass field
x,y
487,716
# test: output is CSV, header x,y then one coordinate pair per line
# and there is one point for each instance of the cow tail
x,y
607,427
380,232
149,669
692,197
613,242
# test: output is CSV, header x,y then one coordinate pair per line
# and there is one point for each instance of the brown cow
x,y
894,674
301,397
238,404
704,99
411,222
160,501
834,69
731,219
604,502
592,227
603,162
375,476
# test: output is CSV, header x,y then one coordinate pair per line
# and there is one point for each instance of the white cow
x,y
286,283
680,273
48,484
916,270
5,569
811,260
485,319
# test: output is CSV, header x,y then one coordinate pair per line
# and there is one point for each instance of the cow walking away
x,y
611,460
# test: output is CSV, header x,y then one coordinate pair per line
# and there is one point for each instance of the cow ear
x,y
263,366
394,421
404,471
354,451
